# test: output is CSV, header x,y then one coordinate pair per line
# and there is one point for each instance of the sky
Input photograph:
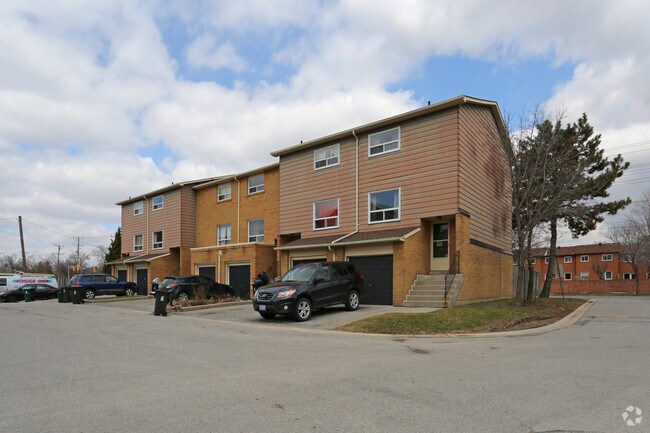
x,y
104,100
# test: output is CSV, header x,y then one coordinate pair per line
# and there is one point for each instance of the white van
x,y
13,281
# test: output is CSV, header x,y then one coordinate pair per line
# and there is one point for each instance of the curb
x,y
117,299
173,309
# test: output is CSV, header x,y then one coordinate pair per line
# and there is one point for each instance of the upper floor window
x,y
384,142
327,156
546,260
627,258
326,214
137,243
568,259
138,207
533,261
607,257
256,184
256,231
584,258
223,234
158,202
224,192
383,206
157,240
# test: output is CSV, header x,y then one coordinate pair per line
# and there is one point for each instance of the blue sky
x,y
104,100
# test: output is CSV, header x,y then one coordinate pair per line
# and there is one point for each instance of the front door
x,y
141,280
440,246
239,277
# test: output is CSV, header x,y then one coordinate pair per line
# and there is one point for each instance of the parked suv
x,y
310,286
102,284
183,287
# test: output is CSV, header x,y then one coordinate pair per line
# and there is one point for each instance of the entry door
x,y
239,278
121,275
141,280
440,246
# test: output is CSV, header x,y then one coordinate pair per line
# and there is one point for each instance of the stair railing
x,y
450,275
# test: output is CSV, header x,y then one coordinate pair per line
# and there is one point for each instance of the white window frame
x,y
570,276
255,238
627,258
605,259
256,188
584,275
605,275
338,214
158,206
547,260
568,259
153,240
629,276
138,247
383,145
138,208
533,261
329,160
584,258
223,196
399,206
224,241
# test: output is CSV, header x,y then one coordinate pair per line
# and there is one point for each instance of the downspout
x,y
219,266
356,197
238,202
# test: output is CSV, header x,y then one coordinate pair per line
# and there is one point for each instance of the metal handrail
x,y
454,269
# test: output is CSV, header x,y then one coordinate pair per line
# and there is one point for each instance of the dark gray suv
x,y
308,287
102,284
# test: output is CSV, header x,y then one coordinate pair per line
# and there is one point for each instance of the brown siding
x,y
425,168
484,178
188,217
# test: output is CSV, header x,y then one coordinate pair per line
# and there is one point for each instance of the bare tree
x,y
600,269
632,244
10,263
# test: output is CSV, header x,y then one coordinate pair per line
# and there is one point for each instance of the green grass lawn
x,y
481,317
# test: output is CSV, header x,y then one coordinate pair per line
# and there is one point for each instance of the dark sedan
x,y
184,287
40,291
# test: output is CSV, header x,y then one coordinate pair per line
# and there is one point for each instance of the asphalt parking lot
x,y
325,319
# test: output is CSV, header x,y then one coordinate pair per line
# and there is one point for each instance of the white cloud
x,y
206,52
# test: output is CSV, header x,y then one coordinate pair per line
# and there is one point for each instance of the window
x,y
533,261
223,234
256,184
327,156
629,276
137,243
3,281
584,275
567,276
383,206
157,238
384,142
158,202
584,259
607,275
607,258
627,258
568,259
138,208
256,231
326,214
224,192
547,260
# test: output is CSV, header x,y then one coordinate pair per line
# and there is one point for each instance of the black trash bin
x,y
66,295
77,295
161,301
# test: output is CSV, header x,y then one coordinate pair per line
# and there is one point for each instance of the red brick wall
x,y
602,287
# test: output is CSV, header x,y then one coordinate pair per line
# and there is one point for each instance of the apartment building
x,y
158,230
237,228
580,264
415,201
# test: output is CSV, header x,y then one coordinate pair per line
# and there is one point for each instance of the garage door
x,y
207,271
239,278
296,262
377,274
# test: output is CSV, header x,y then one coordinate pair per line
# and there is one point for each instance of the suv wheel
x,y
182,296
130,291
303,310
267,314
352,302
89,294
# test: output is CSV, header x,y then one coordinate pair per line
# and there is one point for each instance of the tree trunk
x,y
548,279
531,269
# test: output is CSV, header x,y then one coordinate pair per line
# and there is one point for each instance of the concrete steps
x,y
429,291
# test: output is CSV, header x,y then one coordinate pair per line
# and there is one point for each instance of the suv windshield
x,y
167,282
301,273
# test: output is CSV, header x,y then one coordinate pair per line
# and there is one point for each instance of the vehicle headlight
x,y
286,293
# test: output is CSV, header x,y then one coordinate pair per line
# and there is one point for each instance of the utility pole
x,y
78,256
58,261
22,242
